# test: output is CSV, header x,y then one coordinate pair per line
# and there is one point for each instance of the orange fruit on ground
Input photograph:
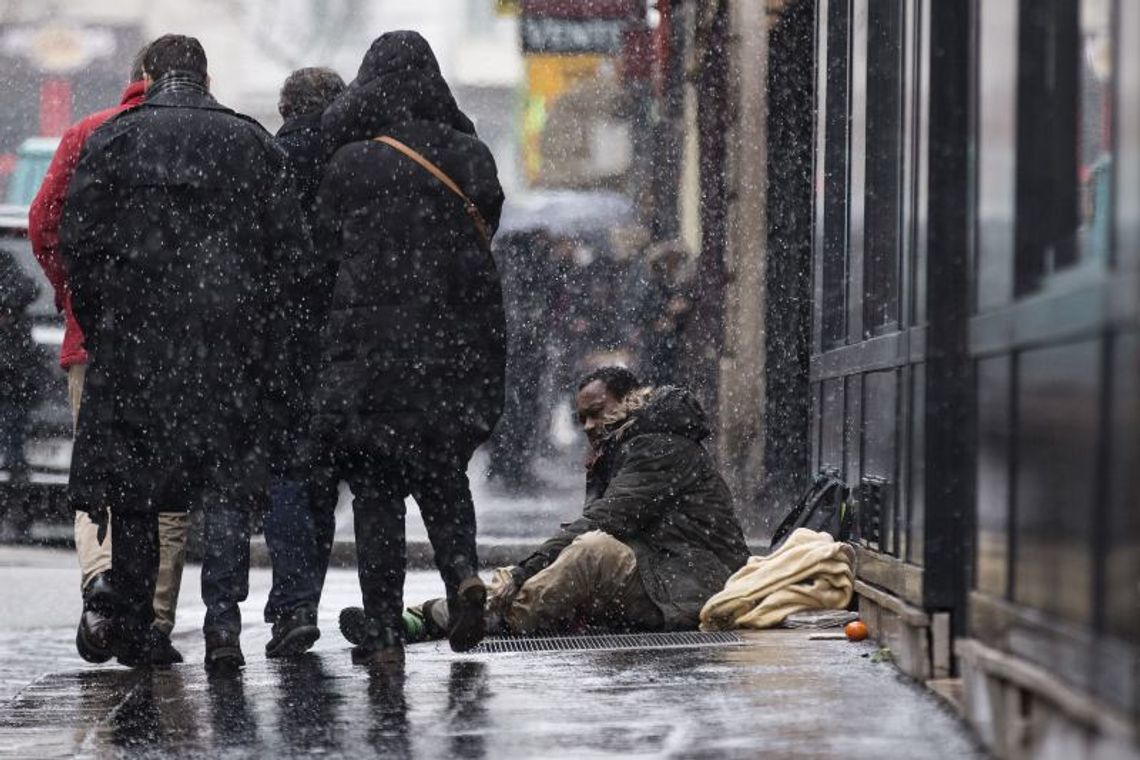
x,y
856,630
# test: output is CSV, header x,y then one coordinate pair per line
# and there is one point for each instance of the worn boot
x,y
223,651
293,633
467,624
96,623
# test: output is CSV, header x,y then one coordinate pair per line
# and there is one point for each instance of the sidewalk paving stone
x,y
779,694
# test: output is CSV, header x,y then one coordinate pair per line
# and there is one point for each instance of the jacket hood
x,y
667,409
399,81
393,52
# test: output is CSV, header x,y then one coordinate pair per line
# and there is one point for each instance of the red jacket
x,y
47,208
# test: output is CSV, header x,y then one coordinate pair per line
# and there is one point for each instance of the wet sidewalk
x,y
777,693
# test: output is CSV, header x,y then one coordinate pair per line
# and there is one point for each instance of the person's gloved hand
x,y
506,582
101,517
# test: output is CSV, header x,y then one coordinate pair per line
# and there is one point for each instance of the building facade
x,y
946,276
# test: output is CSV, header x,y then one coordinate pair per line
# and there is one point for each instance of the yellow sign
x,y
548,77
552,75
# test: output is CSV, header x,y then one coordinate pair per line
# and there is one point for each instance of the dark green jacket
x,y
657,490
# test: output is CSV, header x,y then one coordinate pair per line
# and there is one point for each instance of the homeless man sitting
x,y
657,538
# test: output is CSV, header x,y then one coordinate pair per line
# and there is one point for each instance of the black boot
x,y
467,624
96,623
131,644
293,633
162,651
223,651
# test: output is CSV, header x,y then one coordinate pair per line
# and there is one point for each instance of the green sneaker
x,y
415,630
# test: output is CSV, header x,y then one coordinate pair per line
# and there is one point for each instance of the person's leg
x,y
324,495
443,494
94,558
225,565
594,580
92,638
290,536
225,578
378,518
134,566
293,599
444,498
172,530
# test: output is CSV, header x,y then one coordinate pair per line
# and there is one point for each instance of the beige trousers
x,y
95,558
594,581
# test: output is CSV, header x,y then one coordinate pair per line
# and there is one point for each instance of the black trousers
x,y
134,569
436,477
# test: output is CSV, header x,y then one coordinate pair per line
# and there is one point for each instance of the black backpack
x,y
823,507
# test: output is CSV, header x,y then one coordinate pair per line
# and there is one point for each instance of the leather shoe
x,y
293,633
223,651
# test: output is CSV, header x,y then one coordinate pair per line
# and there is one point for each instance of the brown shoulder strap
x,y
481,225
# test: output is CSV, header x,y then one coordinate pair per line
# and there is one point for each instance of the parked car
x,y
32,160
47,447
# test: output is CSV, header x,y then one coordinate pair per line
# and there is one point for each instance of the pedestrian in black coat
x,y
289,527
186,253
415,343
304,97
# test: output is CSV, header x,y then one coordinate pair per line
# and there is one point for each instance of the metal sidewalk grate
x,y
607,642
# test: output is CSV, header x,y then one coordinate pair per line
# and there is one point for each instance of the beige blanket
x,y
810,571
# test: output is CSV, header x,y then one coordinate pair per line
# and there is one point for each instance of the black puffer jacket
x,y
656,489
415,342
188,261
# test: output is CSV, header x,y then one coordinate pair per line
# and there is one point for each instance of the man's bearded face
x,y
595,402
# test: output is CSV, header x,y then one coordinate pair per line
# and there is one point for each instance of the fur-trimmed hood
x,y
666,409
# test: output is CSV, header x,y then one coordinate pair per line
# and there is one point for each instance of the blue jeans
x,y
291,537
225,565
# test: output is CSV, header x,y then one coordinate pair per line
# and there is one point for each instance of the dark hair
x,y
175,52
137,64
309,91
617,380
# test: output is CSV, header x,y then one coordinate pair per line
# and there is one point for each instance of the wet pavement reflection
x,y
307,704
780,694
